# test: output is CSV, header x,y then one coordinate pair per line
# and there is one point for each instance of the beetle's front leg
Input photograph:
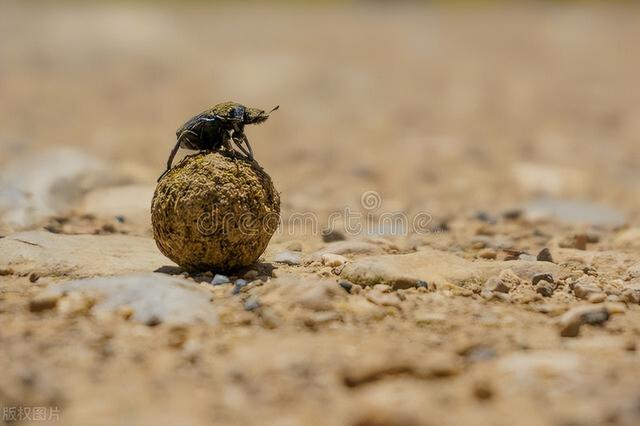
x,y
226,141
238,139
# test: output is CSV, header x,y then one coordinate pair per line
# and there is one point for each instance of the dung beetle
x,y
216,127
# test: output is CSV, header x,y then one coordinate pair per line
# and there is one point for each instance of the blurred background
x,y
443,107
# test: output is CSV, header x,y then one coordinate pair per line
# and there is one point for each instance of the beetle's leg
x,y
238,142
246,142
170,160
226,137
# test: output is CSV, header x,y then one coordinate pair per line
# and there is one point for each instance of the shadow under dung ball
x,y
214,211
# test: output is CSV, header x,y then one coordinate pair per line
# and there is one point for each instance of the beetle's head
x,y
257,116
236,112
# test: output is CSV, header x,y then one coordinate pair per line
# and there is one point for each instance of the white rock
x,y
333,260
288,258
220,279
79,256
154,298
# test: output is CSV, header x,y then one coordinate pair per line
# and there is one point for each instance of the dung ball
x,y
214,211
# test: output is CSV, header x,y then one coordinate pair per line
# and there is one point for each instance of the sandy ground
x,y
512,129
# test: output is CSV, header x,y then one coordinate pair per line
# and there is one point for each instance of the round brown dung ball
x,y
214,211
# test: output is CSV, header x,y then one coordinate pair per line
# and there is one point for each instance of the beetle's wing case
x,y
192,133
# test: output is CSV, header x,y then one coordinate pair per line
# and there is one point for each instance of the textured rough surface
x,y
152,298
406,270
214,211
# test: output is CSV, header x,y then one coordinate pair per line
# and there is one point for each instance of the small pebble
x,y
346,285
333,260
502,283
576,241
487,253
545,255
43,302
540,277
251,275
573,319
584,287
288,258
485,217
33,277
238,285
512,214
6,271
483,390
545,288
220,279
251,304
597,297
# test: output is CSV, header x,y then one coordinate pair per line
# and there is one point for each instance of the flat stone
x,y
289,292
350,247
78,256
288,258
154,298
438,267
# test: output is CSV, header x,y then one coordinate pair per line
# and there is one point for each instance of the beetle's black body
x,y
215,128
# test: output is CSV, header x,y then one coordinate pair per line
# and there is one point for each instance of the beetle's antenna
x,y
275,108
